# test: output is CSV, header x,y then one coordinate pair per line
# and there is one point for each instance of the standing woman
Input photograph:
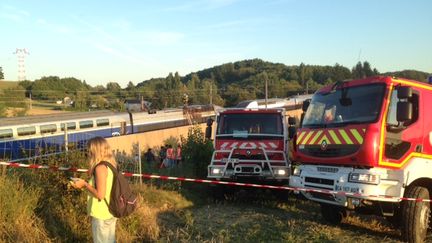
x,y
99,188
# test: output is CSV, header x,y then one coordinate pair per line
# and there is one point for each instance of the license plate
x,y
229,160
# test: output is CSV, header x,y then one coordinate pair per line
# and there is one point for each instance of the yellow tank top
x,y
96,208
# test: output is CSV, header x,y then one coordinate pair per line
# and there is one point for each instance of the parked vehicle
x,y
370,137
251,145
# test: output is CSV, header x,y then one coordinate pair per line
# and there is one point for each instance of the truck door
x,y
402,138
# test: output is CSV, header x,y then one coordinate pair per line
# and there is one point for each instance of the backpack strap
x,y
108,164
112,168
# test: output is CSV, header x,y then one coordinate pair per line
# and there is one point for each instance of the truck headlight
x,y
216,171
281,172
296,171
364,178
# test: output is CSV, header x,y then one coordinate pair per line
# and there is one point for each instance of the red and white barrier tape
x,y
150,176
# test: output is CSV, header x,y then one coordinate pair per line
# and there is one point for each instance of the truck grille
x,y
251,157
320,181
330,151
328,169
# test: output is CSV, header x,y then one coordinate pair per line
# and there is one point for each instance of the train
x,y
33,136
293,102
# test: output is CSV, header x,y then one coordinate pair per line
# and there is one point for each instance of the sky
x,y
122,41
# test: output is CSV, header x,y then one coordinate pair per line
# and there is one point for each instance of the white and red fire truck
x,y
370,140
251,145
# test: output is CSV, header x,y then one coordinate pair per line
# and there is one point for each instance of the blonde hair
x,y
99,150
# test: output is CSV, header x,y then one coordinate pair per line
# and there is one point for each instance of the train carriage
x,y
25,137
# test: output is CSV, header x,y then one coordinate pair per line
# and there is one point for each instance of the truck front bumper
x,y
387,184
251,171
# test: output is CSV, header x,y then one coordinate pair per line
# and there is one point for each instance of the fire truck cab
x,y
369,141
251,145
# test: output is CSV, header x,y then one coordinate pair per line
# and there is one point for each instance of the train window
x,y
70,126
86,124
6,133
102,122
48,128
22,131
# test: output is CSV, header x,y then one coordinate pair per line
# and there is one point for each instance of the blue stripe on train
x,y
25,148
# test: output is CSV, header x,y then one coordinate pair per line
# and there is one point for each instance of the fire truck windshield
x,y
345,105
250,124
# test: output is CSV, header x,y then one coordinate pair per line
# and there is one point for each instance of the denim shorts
x,y
103,230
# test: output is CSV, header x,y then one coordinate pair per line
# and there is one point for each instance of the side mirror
x,y
404,111
291,132
404,92
291,121
305,105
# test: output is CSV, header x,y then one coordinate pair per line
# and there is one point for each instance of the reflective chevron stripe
x,y
331,136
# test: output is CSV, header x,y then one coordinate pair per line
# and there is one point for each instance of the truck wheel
x,y
332,213
415,215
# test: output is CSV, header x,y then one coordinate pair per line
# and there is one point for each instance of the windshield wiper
x,y
354,122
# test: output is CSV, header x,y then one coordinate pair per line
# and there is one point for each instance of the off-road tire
x,y
333,214
415,215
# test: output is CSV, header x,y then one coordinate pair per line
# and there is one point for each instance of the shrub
x,y
197,151
18,222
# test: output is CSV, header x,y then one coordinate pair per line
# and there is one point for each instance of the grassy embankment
x,y
38,107
39,206
7,85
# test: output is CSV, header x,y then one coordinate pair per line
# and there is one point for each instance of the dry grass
x,y
258,220
18,221
42,111
13,111
8,85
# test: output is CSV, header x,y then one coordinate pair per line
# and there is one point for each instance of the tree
x,y
1,73
131,90
191,87
113,86
363,70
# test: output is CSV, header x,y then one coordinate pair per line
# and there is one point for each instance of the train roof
x,y
12,121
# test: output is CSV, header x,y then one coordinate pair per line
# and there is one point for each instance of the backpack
x,y
122,202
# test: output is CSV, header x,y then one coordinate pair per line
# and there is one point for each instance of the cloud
x,y
13,14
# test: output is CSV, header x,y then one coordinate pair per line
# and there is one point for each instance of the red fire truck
x,y
251,145
371,138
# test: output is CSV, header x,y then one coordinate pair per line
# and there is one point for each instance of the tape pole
x,y
152,176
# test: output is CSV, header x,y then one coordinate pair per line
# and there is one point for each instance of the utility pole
x,y
30,96
66,141
211,93
266,91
